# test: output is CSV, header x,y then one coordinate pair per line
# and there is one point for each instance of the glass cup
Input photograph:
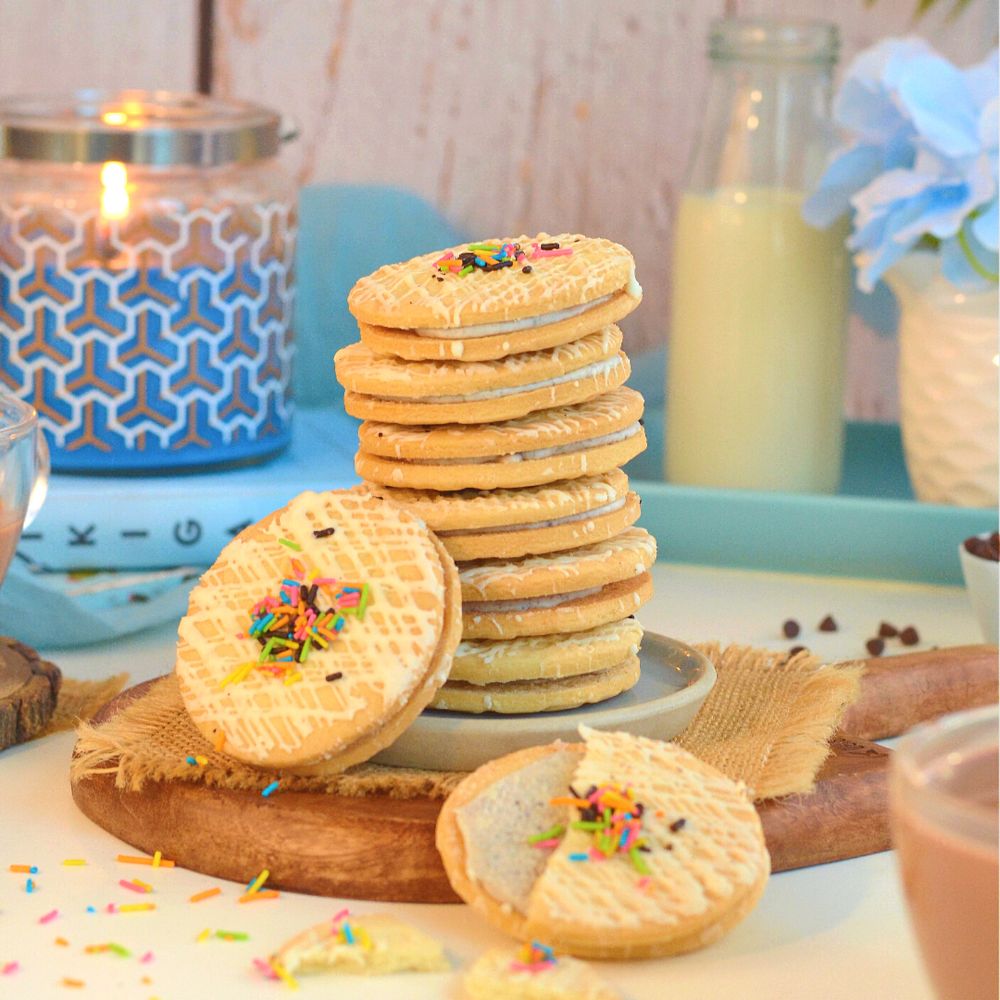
x,y
24,473
943,803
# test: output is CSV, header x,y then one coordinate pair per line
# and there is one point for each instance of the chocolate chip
x,y
984,548
526,269
887,631
909,636
795,650
875,646
828,624
790,628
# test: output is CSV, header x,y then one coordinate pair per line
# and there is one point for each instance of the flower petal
x,y
936,98
850,169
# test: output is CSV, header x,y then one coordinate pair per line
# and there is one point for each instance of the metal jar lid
x,y
153,127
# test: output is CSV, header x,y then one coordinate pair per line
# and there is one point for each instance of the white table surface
x,y
835,931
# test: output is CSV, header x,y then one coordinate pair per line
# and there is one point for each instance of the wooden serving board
x,y
383,848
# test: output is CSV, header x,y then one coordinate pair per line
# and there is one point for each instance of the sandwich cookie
x,y
618,848
545,657
533,972
562,443
319,633
483,301
511,523
443,392
519,697
560,592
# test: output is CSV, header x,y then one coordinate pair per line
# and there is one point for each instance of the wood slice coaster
x,y
382,848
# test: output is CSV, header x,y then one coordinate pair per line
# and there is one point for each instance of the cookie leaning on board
x,y
619,847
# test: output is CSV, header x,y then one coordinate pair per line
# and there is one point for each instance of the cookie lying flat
x,y
558,695
627,554
479,524
571,612
319,633
475,346
533,972
622,847
442,392
496,289
545,657
562,443
372,944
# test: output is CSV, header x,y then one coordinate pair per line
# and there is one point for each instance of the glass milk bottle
x,y
760,298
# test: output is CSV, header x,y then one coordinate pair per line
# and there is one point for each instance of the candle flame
x,y
114,118
114,190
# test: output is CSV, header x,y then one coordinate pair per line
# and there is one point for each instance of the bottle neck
x,y
767,125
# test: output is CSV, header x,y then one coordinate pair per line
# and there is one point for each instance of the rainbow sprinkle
x,y
614,818
9,968
288,624
270,790
495,257
533,958
50,916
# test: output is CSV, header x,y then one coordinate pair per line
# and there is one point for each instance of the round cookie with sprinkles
x,y
565,442
478,524
617,848
487,300
319,633
560,592
442,392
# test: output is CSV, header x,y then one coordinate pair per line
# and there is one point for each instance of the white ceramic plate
x,y
674,682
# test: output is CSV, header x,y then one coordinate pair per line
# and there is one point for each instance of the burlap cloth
x,y
767,722
79,701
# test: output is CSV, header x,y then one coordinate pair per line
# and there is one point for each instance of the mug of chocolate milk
x,y
943,802
24,471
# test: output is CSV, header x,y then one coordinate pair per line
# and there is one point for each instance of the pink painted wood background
x,y
520,115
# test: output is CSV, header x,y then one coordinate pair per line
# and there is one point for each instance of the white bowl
x,y
982,581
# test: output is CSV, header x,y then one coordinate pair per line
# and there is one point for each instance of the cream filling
x,y
527,456
597,368
632,288
527,603
607,508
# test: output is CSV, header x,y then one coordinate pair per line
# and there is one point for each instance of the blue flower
x,y
923,165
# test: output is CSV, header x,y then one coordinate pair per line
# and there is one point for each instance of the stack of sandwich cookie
x,y
490,380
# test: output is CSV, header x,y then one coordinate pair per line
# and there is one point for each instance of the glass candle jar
x,y
760,298
146,282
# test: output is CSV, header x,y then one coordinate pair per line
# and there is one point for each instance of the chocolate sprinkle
x,y
526,269
909,636
790,628
875,646
887,631
828,624
549,246
335,676
678,824
323,532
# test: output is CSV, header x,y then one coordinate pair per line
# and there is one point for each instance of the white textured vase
x,y
948,344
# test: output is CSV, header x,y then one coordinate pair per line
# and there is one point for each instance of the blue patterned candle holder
x,y
146,286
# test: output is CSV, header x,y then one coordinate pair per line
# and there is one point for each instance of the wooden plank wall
x,y
526,114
